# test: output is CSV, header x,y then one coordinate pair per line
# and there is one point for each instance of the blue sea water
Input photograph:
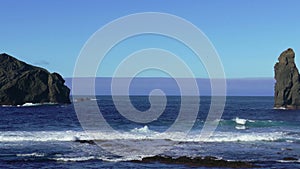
x,y
48,136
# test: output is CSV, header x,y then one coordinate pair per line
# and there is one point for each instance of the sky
x,y
248,35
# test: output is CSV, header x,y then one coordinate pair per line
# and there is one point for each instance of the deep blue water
x,y
43,136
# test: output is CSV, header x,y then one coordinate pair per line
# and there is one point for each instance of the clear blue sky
x,y
248,35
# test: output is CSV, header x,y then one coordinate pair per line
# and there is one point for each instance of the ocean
x,y
51,136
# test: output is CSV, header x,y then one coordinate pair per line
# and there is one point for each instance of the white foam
x,y
35,104
280,108
136,134
31,104
289,161
6,105
144,129
126,158
130,158
39,136
245,137
93,99
31,155
240,121
74,159
87,158
240,127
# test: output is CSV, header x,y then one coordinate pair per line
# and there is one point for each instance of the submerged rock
x,y
22,83
287,87
197,162
290,159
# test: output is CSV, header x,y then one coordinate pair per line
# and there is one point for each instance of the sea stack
x,y
287,87
22,83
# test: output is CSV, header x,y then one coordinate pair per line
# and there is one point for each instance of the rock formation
x,y
22,83
287,87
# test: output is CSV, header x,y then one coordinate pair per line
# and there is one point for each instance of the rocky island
x,y
22,83
287,87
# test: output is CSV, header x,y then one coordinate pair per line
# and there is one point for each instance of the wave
x,y
246,137
248,123
206,161
75,159
143,133
102,158
142,130
38,136
289,160
240,121
192,161
280,108
31,155
30,104
240,127
37,104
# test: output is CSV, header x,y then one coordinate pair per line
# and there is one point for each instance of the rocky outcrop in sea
x,y
287,87
22,83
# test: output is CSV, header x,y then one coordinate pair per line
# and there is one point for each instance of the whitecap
x,y
87,158
31,104
289,161
144,129
92,99
143,133
35,104
6,105
240,127
240,121
126,158
280,108
38,136
74,159
31,155
245,137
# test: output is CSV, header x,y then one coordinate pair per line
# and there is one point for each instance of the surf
x,y
143,133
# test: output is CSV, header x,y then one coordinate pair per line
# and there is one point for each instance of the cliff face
x,y
287,87
22,83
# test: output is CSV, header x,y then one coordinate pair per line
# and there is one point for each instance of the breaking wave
x,y
143,133
254,123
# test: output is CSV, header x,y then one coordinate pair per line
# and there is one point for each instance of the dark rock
x,y
287,87
197,162
290,159
23,83
78,140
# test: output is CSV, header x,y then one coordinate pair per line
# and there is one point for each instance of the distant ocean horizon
x,y
262,86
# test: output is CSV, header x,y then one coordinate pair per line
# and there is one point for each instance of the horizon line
x,y
254,78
